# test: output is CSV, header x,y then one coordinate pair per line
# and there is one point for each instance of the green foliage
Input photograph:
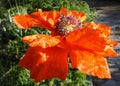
x,y
33,5
74,78
12,48
78,5
16,76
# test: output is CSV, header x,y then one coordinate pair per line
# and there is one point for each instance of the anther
x,y
67,24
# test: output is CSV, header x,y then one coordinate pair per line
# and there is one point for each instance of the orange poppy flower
x,y
87,45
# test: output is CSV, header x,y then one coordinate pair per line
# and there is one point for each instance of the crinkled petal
x,y
41,19
109,51
42,40
64,11
92,41
104,29
112,43
46,63
88,39
23,21
90,63
31,58
46,19
79,15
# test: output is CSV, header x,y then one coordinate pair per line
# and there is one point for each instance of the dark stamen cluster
x,y
67,24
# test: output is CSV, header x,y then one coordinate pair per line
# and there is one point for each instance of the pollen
x,y
67,24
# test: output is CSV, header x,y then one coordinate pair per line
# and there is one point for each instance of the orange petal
x,y
23,21
104,30
88,39
79,15
41,40
112,43
92,41
46,19
31,58
90,63
109,51
41,19
64,11
46,63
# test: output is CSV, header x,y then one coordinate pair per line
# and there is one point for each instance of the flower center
x,y
67,24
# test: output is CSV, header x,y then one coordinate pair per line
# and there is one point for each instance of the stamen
x,y
67,24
